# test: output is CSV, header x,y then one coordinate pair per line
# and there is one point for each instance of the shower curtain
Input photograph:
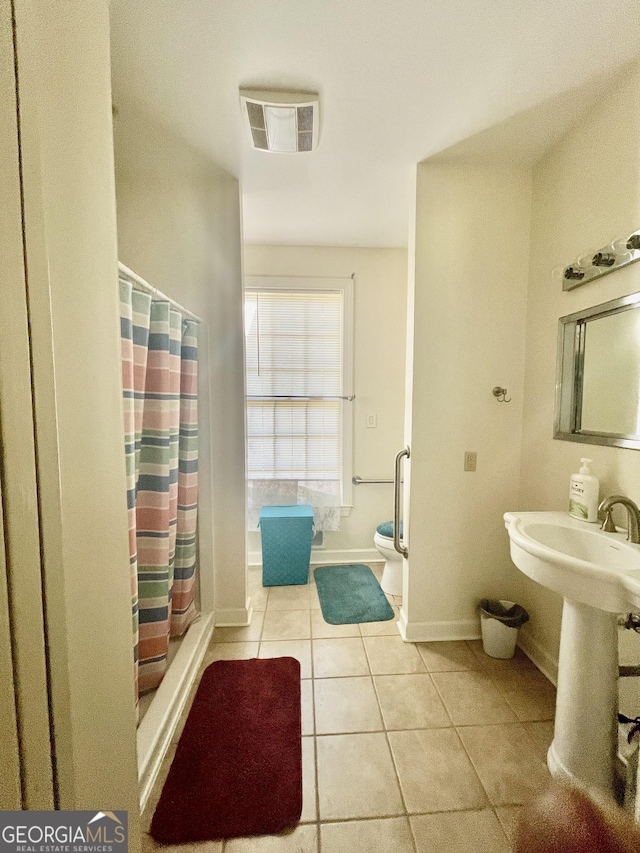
x,y
160,389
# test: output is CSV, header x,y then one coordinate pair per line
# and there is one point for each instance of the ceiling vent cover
x,y
283,122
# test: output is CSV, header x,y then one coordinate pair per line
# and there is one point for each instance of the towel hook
x,y
501,394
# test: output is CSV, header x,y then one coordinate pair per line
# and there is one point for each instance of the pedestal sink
x,y
598,576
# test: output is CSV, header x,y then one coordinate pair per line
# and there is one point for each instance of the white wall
x,y
379,345
586,191
70,240
179,228
26,768
467,331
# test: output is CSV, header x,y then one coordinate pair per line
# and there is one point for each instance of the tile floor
x,y
418,748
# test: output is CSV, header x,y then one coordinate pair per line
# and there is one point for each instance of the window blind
x,y
294,348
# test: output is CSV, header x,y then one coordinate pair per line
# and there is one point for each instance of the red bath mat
x,y
238,766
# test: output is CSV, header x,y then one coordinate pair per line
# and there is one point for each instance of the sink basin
x,y
598,575
576,559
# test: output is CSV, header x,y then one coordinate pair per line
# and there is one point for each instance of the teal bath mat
x,y
351,593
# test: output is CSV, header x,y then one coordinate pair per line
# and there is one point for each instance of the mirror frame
x,y
569,374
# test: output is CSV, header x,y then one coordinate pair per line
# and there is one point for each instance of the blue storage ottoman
x,y
286,533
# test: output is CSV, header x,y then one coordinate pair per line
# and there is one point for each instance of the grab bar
x,y
358,481
400,548
265,398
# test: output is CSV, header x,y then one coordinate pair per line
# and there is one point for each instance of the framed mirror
x,y
598,375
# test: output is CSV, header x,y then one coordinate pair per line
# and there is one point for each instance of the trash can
x,y
500,621
286,533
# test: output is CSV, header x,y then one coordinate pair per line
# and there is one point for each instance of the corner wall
x,y
179,227
467,326
379,354
586,192
70,242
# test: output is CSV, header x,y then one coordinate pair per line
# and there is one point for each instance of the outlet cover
x,y
470,459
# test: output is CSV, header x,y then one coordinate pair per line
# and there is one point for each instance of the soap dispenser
x,y
584,493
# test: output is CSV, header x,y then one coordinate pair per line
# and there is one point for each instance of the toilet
x,y
391,581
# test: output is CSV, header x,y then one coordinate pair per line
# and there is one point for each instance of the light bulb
x,y
633,242
574,272
626,247
603,259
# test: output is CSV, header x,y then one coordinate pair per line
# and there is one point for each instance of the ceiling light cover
x,y
281,122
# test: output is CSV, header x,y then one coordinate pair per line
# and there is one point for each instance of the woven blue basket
x,y
286,533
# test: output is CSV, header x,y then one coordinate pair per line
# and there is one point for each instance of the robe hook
x,y
501,394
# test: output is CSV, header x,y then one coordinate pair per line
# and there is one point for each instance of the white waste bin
x,y
500,620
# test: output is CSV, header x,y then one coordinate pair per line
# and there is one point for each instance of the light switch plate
x,y
372,420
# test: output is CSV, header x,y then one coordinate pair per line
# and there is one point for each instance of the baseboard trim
x,y
325,557
427,632
234,617
159,723
537,653
469,629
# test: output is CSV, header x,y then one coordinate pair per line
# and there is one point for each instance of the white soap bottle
x,y
584,493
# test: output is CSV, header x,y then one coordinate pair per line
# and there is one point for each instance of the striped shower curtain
x,y
160,388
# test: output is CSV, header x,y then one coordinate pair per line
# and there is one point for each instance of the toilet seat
x,y
386,529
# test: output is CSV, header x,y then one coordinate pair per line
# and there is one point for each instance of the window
x,y
298,370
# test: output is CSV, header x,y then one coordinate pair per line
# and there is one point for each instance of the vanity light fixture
x,y
619,253
281,122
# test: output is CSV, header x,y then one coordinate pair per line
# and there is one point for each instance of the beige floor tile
x,y
289,598
528,692
244,634
381,629
517,662
377,569
151,846
508,817
298,649
435,772
309,801
333,658
392,835
448,656
286,625
346,705
410,702
322,630
154,796
391,656
541,732
254,580
259,596
229,651
306,691
507,762
303,839
471,698
356,778
460,832
314,601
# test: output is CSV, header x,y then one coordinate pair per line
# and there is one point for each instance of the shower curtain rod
x,y
129,275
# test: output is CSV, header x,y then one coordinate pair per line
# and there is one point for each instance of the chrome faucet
x,y
633,516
